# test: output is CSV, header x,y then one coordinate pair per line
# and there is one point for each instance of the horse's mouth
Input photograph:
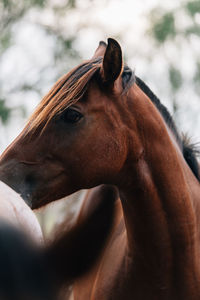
x,y
37,187
45,190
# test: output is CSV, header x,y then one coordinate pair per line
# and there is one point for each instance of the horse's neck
x,y
160,210
162,231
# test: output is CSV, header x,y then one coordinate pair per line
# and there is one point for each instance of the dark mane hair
x,y
188,149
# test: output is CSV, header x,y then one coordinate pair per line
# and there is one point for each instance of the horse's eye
x,y
71,116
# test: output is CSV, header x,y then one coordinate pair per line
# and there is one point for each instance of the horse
x,y
22,272
101,124
15,211
29,268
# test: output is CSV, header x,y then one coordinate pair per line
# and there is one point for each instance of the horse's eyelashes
x,y
71,116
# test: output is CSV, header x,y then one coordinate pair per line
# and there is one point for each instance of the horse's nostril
x,y
27,187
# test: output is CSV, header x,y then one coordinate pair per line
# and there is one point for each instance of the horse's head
x,y
79,135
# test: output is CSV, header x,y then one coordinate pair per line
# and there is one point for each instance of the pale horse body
x,y
15,211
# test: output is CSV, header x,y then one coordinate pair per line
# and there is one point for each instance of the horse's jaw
x,y
33,182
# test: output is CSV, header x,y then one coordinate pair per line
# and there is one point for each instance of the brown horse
x,y
30,271
102,124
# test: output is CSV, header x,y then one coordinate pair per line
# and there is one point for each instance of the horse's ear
x,y
100,51
112,62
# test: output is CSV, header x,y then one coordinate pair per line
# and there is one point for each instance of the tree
x,y
11,14
177,31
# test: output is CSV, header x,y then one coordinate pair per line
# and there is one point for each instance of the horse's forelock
x,y
65,92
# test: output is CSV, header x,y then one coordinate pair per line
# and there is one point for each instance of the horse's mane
x,y
188,149
72,86
66,91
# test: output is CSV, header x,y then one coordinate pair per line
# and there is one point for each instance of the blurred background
x,y
42,39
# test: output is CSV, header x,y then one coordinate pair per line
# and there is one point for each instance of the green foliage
x,y
193,7
170,31
40,3
197,78
6,3
5,41
4,111
9,4
64,46
164,27
11,13
175,78
71,3
193,30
